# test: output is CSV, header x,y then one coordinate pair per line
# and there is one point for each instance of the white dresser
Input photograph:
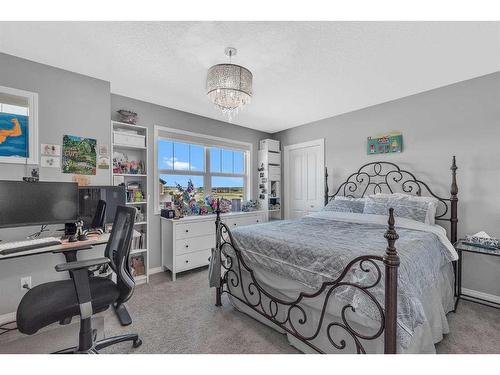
x,y
186,243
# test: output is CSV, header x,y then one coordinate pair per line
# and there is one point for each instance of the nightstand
x,y
461,247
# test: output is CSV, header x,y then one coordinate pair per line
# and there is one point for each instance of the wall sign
x,y
385,144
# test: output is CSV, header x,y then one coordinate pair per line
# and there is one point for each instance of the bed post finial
x,y
454,202
391,262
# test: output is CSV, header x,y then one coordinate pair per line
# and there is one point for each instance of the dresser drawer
x,y
192,260
201,228
246,220
189,245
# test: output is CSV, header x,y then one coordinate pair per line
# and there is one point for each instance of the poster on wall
x,y
103,159
79,155
50,149
385,144
18,126
14,140
50,161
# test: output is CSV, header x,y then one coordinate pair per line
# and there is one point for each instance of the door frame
x,y
286,160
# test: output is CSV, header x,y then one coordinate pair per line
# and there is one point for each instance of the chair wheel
x,y
137,343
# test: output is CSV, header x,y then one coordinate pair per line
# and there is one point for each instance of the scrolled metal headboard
x,y
387,177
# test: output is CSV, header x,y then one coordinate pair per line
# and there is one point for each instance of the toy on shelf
x,y
249,206
121,164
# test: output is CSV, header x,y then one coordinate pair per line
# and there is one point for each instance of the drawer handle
x,y
187,230
187,245
234,224
257,220
187,261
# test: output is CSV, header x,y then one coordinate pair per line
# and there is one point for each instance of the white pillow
x,y
431,203
345,204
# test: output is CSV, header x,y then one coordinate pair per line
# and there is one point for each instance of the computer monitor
x,y
37,203
88,203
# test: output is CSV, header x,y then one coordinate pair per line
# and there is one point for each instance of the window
x,y
214,169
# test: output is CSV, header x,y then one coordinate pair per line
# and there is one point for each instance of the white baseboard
x,y
152,271
485,296
9,317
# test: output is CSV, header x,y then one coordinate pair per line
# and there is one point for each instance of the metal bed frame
x,y
370,178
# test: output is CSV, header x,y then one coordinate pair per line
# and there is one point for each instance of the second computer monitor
x,y
88,201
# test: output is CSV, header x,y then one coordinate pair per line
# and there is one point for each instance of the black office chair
x,y
83,294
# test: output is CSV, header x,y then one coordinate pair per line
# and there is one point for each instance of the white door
x,y
304,167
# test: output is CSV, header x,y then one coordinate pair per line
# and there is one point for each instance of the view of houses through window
x,y
212,170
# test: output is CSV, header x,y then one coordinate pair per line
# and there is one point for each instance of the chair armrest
x,y
82,264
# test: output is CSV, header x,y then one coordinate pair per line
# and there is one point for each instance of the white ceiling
x,y
303,71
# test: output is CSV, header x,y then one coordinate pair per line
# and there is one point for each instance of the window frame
x,y
208,142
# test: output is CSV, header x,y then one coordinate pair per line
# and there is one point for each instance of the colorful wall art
x,y
14,140
385,144
79,155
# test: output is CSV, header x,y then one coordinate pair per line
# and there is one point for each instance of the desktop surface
x,y
65,245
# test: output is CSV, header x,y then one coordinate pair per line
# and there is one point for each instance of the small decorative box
x,y
482,239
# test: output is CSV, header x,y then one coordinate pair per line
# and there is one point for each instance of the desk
x,y
66,247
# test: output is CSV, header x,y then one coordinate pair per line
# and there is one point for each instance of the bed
x,y
336,282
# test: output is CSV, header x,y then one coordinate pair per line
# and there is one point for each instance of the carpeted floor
x,y
180,317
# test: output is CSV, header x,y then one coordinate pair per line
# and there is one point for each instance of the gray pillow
x,y
409,209
343,204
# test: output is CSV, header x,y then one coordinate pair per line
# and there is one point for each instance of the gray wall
x,y
150,115
69,103
462,119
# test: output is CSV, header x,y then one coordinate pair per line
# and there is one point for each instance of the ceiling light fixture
x,y
229,86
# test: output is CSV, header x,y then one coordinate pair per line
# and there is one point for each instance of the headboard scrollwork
x,y
387,177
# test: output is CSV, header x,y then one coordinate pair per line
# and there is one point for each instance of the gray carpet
x,y
180,317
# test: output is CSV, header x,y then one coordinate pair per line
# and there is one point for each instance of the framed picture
x,y
385,144
18,126
79,155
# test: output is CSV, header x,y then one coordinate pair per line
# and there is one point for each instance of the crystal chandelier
x,y
229,86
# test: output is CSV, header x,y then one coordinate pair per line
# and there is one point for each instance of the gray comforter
x,y
316,248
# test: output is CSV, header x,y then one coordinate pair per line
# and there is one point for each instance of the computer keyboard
x,y
18,246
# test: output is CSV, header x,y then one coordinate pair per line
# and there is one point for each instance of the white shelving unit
x,y
269,178
137,153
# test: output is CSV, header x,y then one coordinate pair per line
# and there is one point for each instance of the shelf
x,y
129,147
140,279
138,251
130,175
136,150
124,125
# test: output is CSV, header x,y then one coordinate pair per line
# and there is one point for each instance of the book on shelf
x,y
138,240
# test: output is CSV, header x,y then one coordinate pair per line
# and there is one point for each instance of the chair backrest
x,y
100,213
118,249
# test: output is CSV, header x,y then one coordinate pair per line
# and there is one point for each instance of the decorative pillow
x,y
414,209
431,202
345,204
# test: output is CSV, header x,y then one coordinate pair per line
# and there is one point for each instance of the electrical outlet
x,y
26,282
